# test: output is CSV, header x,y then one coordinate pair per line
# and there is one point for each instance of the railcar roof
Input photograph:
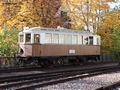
x,y
40,29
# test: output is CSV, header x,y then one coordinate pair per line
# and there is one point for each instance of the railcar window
x,y
85,41
91,40
28,38
80,39
62,39
74,39
55,38
69,39
21,38
98,41
36,38
48,38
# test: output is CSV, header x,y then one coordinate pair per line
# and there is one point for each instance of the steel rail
x,y
66,79
89,73
110,86
39,75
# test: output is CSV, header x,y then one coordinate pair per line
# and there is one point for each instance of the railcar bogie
x,y
54,61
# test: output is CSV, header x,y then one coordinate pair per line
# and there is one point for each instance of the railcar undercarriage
x,y
55,61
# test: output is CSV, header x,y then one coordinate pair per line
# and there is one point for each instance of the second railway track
x,y
32,81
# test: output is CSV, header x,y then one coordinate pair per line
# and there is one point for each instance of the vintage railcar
x,y
56,46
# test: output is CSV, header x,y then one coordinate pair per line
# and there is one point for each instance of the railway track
x,y
110,86
42,79
38,68
18,69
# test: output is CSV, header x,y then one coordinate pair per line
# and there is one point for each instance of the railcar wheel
x,y
60,61
16,59
42,64
19,62
50,63
80,62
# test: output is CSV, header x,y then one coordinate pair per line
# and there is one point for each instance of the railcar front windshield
x,y
21,38
28,38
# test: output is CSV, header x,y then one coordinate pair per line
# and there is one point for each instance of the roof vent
x,y
59,27
26,28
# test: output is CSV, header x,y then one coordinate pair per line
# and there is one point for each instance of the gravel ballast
x,y
89,83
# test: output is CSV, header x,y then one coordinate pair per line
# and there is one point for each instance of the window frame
x,y
49,38
22,38
35,38
27,39
80,39
61,41
75,41
68,39
55,39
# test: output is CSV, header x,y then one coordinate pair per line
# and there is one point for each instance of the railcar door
x,y
36,38
36,45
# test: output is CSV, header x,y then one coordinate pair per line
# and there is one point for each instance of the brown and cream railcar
x,y
48,46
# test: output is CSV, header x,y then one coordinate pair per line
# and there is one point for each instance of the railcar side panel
x,y
27,50
36,50
65,50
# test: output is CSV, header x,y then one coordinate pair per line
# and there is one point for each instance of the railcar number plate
x,y
71,51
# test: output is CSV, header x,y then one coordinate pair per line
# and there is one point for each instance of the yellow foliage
x,y
82,11
1,32
106,40
30,13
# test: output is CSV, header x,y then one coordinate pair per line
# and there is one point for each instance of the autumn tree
x,y
48,11
109,27
8,41
17,13
116,41
115,29
85,13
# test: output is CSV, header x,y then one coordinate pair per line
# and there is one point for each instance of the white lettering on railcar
x,y
71,51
